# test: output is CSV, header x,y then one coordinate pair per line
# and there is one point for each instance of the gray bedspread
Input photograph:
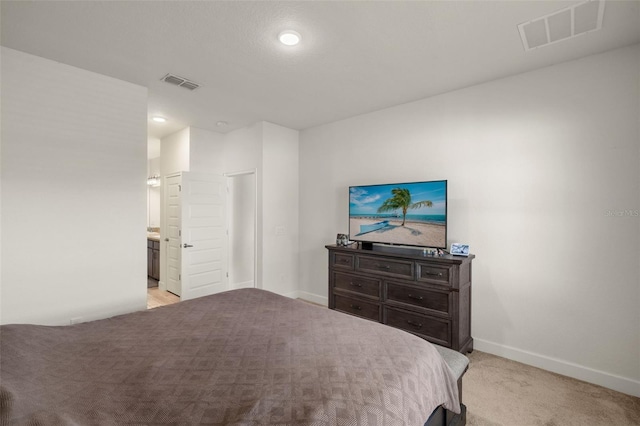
x,y
244,357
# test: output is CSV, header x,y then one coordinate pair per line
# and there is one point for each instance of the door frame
x,y
231,175
162,283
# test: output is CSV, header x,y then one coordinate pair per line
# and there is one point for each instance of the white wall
x,y
174,157
191,149
242,230
153,148
280,209
242,152
243,149
272,151
153,194
73,193
542,168
206,150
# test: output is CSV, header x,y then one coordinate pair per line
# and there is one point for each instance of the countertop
x,y
155,236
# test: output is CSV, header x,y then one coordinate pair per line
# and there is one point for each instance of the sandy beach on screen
x,y
414,233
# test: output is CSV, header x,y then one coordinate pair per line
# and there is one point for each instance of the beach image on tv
x,y
406,214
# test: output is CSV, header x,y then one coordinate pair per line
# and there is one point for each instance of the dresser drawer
x,y
436,330
437,301
349,282
434,274
369,310
397,268
342,261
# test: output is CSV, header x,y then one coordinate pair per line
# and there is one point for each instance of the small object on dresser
x,y
458,249
342,240
429,251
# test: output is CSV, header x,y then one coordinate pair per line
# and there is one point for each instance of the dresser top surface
x,y
413,253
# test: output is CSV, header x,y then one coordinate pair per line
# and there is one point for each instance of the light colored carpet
x,y
498,391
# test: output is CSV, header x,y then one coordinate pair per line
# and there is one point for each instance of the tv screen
x,y
412,214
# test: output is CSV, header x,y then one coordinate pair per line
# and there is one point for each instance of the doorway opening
x,y
157,298
154,196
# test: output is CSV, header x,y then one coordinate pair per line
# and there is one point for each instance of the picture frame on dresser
x,y
342,239
458,249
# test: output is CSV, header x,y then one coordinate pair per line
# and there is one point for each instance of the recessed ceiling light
x,y
222,123
159,119
290,38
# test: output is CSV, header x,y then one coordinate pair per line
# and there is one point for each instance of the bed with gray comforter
x,y
243,357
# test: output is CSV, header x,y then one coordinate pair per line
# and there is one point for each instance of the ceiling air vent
x,y
562,25
179,81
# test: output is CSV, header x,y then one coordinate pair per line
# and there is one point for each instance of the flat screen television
x,y
408,214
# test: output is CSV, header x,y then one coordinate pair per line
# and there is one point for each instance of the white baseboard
x,y
580,372
319,300
309,297
291,294
244,284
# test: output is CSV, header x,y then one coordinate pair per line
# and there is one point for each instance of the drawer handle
x,y
415,324
355,307
356,284
382,266
411,296
437,274
343,260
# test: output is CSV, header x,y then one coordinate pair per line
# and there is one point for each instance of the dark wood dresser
x,y
428,296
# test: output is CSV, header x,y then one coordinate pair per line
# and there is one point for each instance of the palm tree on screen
x,y
401,199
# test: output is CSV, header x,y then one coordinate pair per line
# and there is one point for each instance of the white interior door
x,y
172,237
204,238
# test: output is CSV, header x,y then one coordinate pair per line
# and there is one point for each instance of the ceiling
x,y
354,57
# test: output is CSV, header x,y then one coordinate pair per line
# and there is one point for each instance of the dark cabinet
x,y
153,259
427,296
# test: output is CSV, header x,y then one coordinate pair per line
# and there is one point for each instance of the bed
x,y
242,357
